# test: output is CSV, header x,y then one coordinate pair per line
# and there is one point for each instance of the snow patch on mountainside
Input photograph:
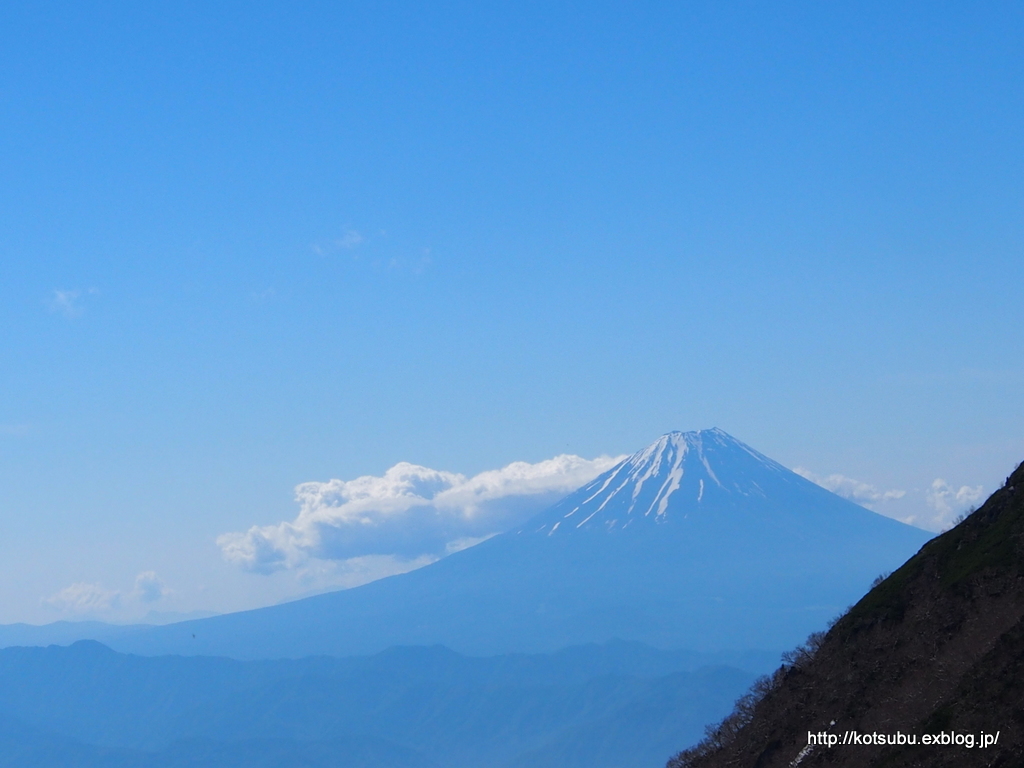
x,y
678,471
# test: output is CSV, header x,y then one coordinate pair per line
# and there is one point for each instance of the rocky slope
x,y
936,648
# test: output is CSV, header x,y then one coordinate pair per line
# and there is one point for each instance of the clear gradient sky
x,y
249,245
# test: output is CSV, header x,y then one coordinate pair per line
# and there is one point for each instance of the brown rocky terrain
x,y
935,648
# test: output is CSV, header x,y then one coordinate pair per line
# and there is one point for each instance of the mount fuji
x,y
697,541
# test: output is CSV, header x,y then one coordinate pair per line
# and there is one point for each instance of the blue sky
x,y
247,246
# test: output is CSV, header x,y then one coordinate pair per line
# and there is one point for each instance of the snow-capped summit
x,y
675,476
696,541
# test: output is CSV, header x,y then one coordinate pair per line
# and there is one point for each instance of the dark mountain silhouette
x,y
697,541
936,648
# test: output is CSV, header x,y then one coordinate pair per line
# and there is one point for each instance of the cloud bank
x,y
84,599
409,513
149,587
857,491
933,508
949,501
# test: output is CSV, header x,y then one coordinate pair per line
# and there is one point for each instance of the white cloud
x,y
854,490
932,509
949,501
324,575
68,302
410,512
350,239
149,588
465,543
82,598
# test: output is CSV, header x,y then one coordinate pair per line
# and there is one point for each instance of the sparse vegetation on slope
x,y
936,646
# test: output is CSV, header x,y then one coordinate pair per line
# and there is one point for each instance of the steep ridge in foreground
x,y
937,648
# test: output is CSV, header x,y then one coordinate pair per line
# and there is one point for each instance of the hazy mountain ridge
x,y
88,705
62,632
22,746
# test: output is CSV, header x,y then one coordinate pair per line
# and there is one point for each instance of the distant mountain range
x,y
698,541
936,649
618,705
67,632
